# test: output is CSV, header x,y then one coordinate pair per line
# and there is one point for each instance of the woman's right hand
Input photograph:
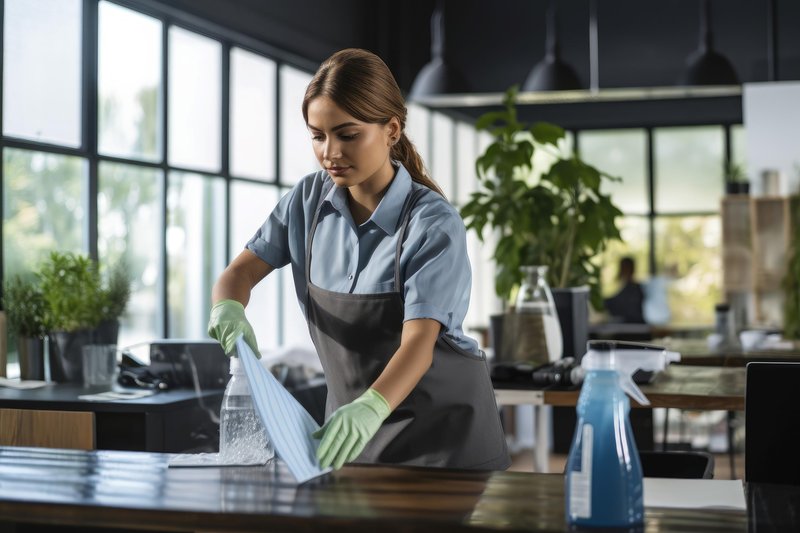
x,y
227,322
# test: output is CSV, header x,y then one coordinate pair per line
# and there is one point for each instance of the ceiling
x,y
495,43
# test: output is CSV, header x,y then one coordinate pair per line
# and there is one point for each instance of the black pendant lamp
x,y
437,77
705,66
551,73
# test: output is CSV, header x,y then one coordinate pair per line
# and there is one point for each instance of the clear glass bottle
x,y
539,331
242,439
726,328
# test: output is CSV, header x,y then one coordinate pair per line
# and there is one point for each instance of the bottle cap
x,y
235,364
626,358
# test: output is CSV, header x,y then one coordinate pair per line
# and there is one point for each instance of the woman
x,y
381,271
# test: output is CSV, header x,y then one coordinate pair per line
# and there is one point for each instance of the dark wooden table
x,y
696,352
55,416
680,386
136,490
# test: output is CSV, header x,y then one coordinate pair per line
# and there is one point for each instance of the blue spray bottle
x,y
603,485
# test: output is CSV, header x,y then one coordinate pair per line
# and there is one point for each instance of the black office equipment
x,y
772,423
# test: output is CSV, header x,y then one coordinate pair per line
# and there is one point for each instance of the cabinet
x,y
756,237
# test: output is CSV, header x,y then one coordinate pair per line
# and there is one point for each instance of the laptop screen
x,y
772,423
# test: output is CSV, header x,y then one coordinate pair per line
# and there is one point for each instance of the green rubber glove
x,y
227,322
350,428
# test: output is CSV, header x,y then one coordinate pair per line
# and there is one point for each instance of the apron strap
x,y
326,187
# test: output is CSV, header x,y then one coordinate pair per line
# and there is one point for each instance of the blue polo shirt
x,y
360,258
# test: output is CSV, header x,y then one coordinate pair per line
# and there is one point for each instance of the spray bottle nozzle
x,y
626,358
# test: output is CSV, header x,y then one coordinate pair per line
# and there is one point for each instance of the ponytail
x,y
405,152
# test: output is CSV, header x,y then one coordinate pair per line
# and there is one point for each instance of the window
x,y
42,103
130,230
43,196
195,249
297,155
687,184
129,84
175,221
252,115
442,163
195,101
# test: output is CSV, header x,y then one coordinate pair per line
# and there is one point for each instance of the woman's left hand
x,y
350,428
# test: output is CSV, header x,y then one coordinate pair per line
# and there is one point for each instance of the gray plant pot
x,y
572,306
66,355
31,357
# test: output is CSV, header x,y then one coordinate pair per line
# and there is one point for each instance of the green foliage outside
x,y
561,220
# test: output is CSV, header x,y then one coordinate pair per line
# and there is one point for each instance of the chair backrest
x,y
772,423
677,464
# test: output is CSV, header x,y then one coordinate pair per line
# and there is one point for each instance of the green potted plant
x,y
791,287
25,308
736,181
72,289
560,219
115,293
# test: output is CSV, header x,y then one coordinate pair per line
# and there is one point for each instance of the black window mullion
x,y
651,190
278,178
163,285
89,122
225,141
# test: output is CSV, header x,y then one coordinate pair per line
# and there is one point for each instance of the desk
x,y
683,387
163,422
696,352
135,490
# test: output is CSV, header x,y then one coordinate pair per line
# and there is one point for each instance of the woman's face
x,y
354,153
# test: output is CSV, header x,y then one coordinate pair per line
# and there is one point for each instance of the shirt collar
x,y
387,214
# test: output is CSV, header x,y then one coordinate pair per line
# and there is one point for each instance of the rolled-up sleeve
x,y
438,275
271,241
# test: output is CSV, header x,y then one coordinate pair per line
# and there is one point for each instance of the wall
x,y
772,130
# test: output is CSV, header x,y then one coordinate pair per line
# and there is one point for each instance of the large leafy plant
x,y
561,220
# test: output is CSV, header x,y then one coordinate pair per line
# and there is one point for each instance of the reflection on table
x,y
136,490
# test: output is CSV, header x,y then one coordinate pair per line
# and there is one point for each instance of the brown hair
x,y
362,85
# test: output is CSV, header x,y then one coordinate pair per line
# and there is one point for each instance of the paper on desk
x,y
21,383
694,493
288,424
116,395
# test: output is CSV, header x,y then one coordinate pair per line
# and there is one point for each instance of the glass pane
x,y
195,250
417,131
252,115
442,171
297,155
688,256
129,84
466,154
130,230
739,147
42,207
42,70
635,243
688,169
251,204
195,96
623,154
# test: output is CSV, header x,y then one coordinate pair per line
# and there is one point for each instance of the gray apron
x,y
450,419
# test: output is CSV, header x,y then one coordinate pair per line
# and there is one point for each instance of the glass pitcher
x,y
538,336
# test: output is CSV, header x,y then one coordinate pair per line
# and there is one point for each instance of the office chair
x,y
772,423
677,464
